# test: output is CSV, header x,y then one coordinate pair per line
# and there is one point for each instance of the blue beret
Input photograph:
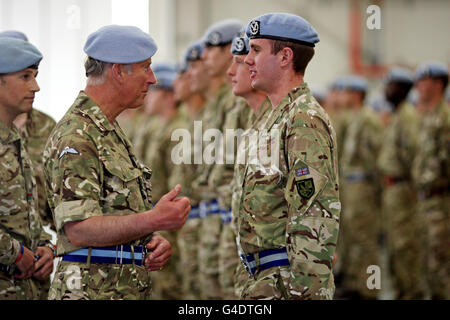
x,y
338,84
432,70
354,83
17,55
194,52
165,74
120,44
240,45
222,33
14,34
283,26
397,74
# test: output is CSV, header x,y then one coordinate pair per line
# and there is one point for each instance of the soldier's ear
x,y
117,72
286,56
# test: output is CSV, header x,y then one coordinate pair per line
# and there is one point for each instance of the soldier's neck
x,y
286,83
429,105
106,100
195,103
214,85
255,99
20,120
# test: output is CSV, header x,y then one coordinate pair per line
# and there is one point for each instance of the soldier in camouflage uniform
x,y
158,157
35,127
431,174
98,191
190,87
288,204
26,254
256,104
217,57
361,189
403,228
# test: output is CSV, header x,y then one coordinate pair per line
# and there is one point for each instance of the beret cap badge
x,y
254,27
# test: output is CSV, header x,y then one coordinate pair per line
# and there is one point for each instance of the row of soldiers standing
x,y
394,175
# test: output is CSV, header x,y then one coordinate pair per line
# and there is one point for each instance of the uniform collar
x,y
89,108
298,91
8,135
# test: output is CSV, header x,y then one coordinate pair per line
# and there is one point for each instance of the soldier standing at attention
x,y
231,271
217,58
98,191
26,254
402,226
431,171
35,127
288,212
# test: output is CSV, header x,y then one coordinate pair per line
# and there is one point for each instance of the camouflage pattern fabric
x,y
35,132
91,171
19,219
158,157
187,238
431,170
210,229
403,227
294,205
361,203
144,133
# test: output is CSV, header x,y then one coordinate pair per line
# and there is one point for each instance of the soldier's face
x,y
217,60
426,88
17,91
264,66
182,87
239,73
198,76
137,83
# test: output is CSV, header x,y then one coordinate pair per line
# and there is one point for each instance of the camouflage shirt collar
x,y
89,108
8,135
298,91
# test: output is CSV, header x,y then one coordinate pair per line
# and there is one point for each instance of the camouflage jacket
x,y
361,146
19,219
213,118
91,171
431,168
293,203
236,120
400,143
35,132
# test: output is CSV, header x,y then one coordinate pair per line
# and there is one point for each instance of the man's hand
x,y
171,212
44,266
160,255
25,264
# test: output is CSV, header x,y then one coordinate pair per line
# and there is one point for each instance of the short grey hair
x,y
96,70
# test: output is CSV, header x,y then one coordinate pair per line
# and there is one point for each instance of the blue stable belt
x,y
227,215
208,208
121,254
267,259
194,213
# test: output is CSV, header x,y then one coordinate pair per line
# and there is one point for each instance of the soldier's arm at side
x,y
313,213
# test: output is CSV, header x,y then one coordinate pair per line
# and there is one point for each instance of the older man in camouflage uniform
x,y
430,172
288,204
217,58
26,254
98,191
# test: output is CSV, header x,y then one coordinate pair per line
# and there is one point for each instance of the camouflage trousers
x,y
405,241
361,229
30,289
80,281
208,255
228,261
188,243
435,212
166,283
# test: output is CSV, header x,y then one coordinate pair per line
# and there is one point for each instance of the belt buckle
x,y
246,265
